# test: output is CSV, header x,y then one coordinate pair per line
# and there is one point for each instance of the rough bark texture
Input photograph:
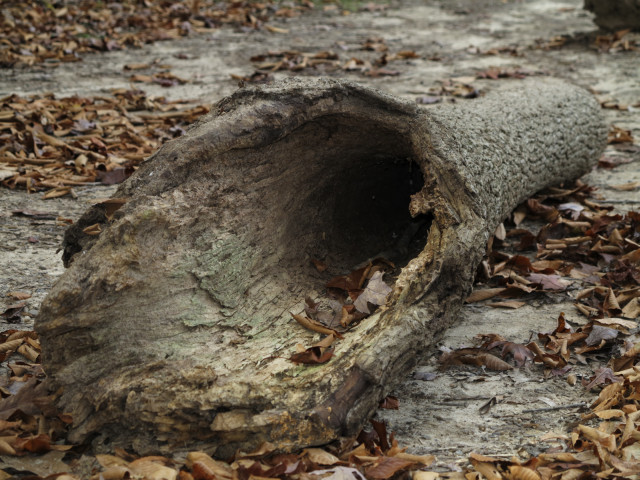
x,y
171,329
615,15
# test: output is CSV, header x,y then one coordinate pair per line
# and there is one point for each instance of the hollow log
x,y
615,15
172,328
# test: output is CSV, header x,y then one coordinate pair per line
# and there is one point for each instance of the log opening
x,y
348,197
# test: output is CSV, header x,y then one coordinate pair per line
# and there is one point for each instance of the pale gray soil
x,y
440,416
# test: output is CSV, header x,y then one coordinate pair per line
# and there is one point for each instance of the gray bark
x,y
614,15
171,329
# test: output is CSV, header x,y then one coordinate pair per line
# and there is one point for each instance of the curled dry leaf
x,y
390,403
386,467
312,356
521,354
632,309
549,282
602,376
320,265
487,469
320,456
310,324
422,475
494,363
483,294
619,135
522,473
474,356
94,229
425,460
202,462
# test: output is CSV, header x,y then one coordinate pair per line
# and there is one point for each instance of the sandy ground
x,y
440,416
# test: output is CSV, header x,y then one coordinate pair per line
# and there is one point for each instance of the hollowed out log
x,y
171,328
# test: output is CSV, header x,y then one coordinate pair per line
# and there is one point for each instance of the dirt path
x,y
440,416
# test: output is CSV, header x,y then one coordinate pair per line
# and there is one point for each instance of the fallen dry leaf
x,y
310,324
483,294
375,292
626,187
390,403
386,467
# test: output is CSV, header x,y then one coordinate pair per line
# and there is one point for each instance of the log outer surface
x,y
615,15
170,330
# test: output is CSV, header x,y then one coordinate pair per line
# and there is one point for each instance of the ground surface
x,y
440,416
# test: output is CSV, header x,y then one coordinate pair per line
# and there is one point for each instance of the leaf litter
x,y
59,32
55,144
350,298
327,62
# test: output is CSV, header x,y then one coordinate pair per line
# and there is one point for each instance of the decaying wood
x,y
615,15
172,327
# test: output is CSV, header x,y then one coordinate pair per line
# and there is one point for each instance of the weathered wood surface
x,y
171,329
614,15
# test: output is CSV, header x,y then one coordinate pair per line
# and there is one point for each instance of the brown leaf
x,y
521,354
13,313
390,403
632,309
320,265
35,444
386,467
312,356
152,468
550,214
549,282
353,281
483,294
94,229
610,303
522,473
550,360
314,325
207,467
619,135
493,363
320,456
612,162
602,376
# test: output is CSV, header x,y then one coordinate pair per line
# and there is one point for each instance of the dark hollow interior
x,y
346,198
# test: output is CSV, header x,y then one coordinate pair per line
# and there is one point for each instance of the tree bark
x,y
614,15
171,328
